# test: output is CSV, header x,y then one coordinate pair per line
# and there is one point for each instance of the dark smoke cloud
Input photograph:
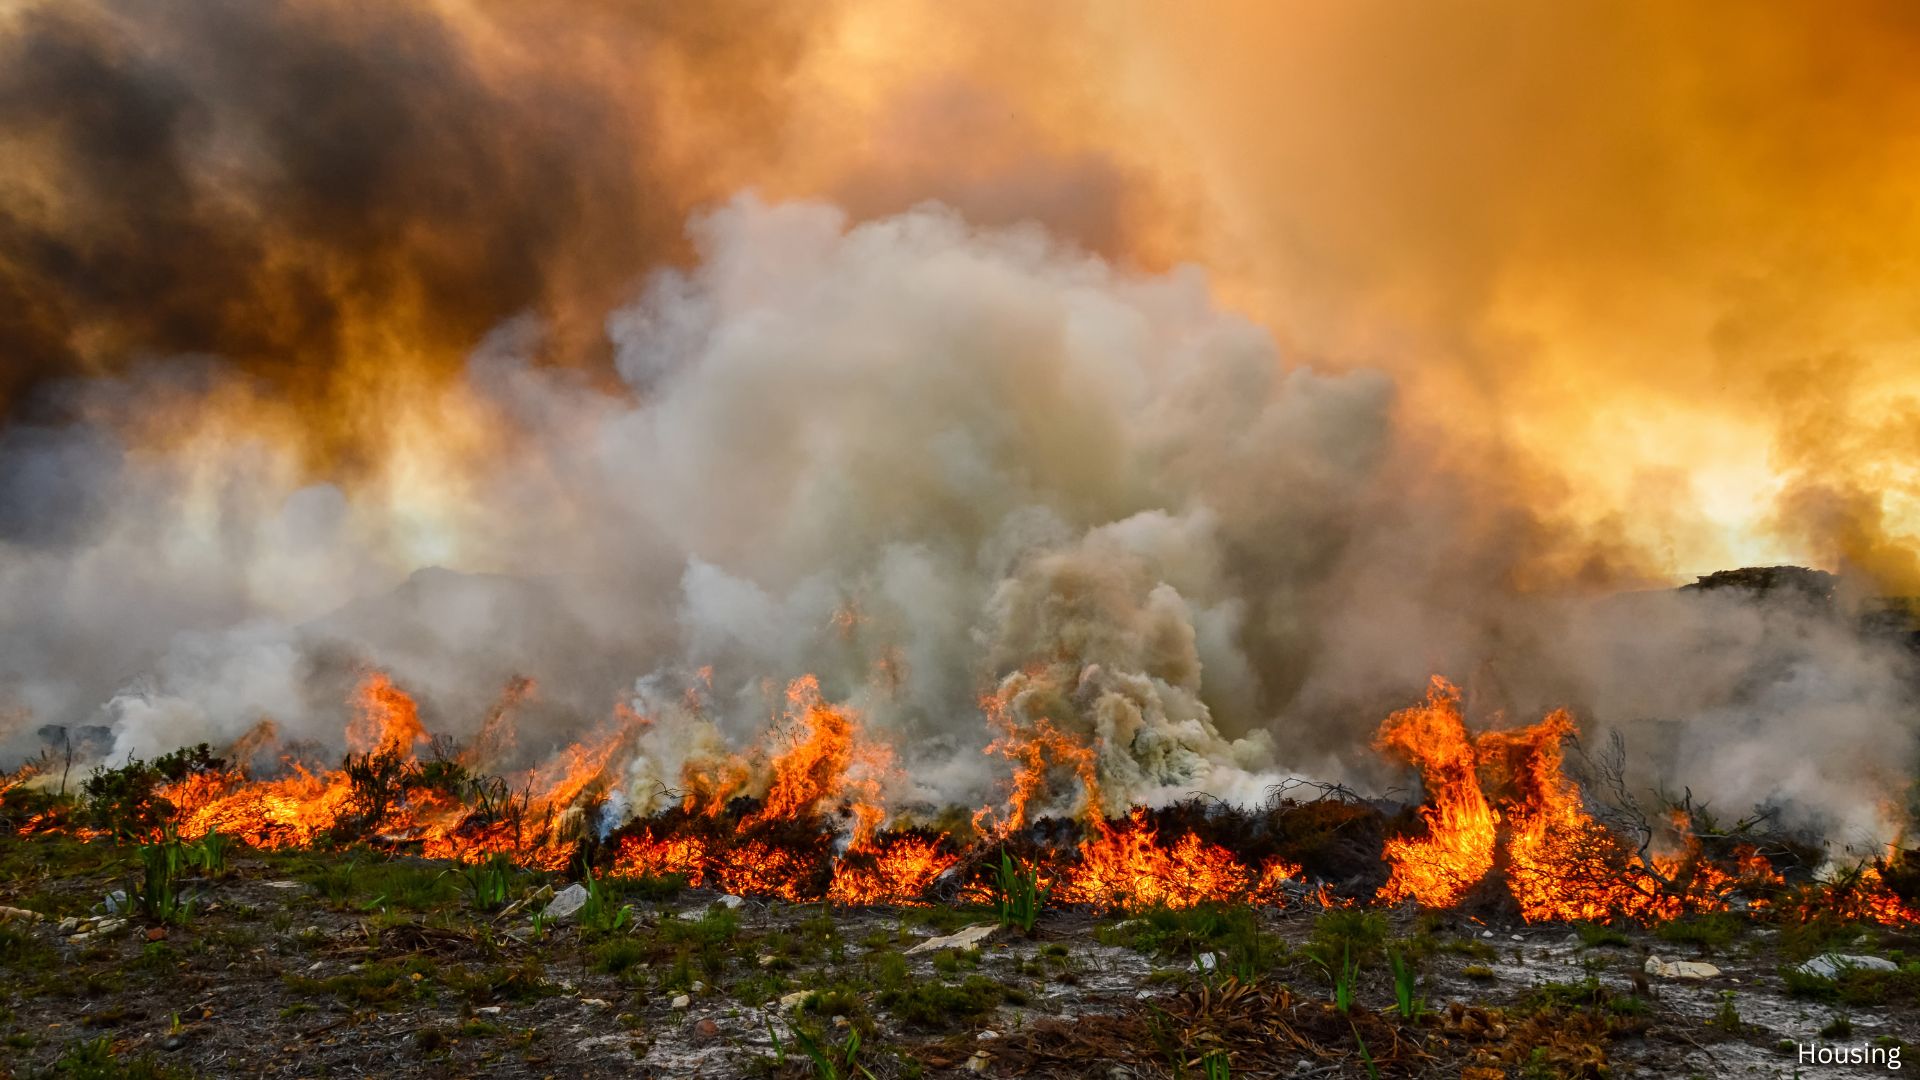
x,y
290,184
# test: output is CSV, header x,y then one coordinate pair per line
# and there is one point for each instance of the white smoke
x,y
917,459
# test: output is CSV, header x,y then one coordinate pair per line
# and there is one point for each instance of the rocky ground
x,y
363,964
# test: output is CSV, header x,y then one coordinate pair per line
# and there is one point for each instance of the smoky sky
x,y
260,180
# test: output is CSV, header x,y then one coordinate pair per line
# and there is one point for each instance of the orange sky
x,y
1654,264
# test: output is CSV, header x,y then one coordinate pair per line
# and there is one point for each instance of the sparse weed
x,y
1018,894
488,883
1409,1006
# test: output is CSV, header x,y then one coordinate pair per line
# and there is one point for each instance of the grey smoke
x,y
927,462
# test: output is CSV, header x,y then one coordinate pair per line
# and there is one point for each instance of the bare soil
x,y
363,964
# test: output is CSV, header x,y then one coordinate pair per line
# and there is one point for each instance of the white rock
x,y
1680,969
567,902
681,1001
790,1002
988,1034
1206,961
1486,933
970,938
488,1010
595,1001
110,926
1831,965
698,987
732,902
282,884
980,1061
68,925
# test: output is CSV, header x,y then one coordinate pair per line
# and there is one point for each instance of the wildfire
x,y
804,817
1035,748
1436,870
1126,867
1502,800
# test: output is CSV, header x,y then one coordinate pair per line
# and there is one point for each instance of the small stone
x,y
79,939
698,987
115,903
1517,937
980,1061
281,884
68,925
1486,933
789,1002
488,1010
970,938
1832,965
107,927
732,902
1680,969
158,933
1206,961
767,959
706,1028
988,1034
681,1001
567,902
596,1001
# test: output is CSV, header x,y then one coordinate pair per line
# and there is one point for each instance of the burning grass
x,y
1503,829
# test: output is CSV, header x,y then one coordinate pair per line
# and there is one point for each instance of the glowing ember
x,y
890,870
1124,867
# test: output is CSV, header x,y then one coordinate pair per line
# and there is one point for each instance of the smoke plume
x,y
1198,390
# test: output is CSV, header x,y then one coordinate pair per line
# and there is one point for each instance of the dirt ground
x,y
366,964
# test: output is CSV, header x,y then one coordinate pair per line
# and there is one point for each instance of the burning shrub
x,y
127,801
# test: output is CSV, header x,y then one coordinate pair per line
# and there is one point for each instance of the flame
x,y
646,855
386,721
827,760
1499,806
1124,867
1036,748
896,869
1436,870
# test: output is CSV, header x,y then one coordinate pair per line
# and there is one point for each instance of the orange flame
x,y
1436,870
